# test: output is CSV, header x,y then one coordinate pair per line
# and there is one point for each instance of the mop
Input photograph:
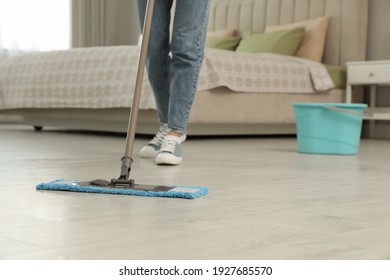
x,y
124,185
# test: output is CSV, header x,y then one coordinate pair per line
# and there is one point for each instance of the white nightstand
x,y
372,73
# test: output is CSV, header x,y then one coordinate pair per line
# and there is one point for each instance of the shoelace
x,y
160,136
169,146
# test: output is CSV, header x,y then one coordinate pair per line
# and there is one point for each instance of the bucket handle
x,y
365,115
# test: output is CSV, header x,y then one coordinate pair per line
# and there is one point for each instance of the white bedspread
x,y
103,77
99,77
262,72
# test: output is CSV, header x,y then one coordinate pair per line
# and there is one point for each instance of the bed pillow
x,y
313,42
338,74
222,33
283,42
223,43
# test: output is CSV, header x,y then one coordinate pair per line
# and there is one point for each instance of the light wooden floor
x,y
266,201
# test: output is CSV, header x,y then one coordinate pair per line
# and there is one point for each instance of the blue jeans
x,y
174,79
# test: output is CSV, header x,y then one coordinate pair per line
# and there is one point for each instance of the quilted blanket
x,y
103,77
263,72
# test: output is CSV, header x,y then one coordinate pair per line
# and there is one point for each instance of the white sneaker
x,y
152,148
170,152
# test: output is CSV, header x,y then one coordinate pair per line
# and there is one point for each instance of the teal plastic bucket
x,y
329,128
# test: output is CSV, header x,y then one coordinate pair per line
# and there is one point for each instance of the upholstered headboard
x,y
347,31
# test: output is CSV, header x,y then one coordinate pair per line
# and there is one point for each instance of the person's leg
x,y
187,46
158,64
158,60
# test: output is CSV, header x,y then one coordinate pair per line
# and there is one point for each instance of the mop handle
x,y
138,84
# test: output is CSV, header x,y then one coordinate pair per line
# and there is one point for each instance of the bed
x,y
91,88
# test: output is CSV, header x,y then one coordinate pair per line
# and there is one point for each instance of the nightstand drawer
x,y
369,74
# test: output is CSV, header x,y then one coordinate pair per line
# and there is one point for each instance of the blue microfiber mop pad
x,y
189,192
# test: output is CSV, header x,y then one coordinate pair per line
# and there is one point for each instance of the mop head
x,y
189,192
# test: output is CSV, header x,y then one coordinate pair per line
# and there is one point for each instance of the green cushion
x,y
223,43
285,42
338,74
